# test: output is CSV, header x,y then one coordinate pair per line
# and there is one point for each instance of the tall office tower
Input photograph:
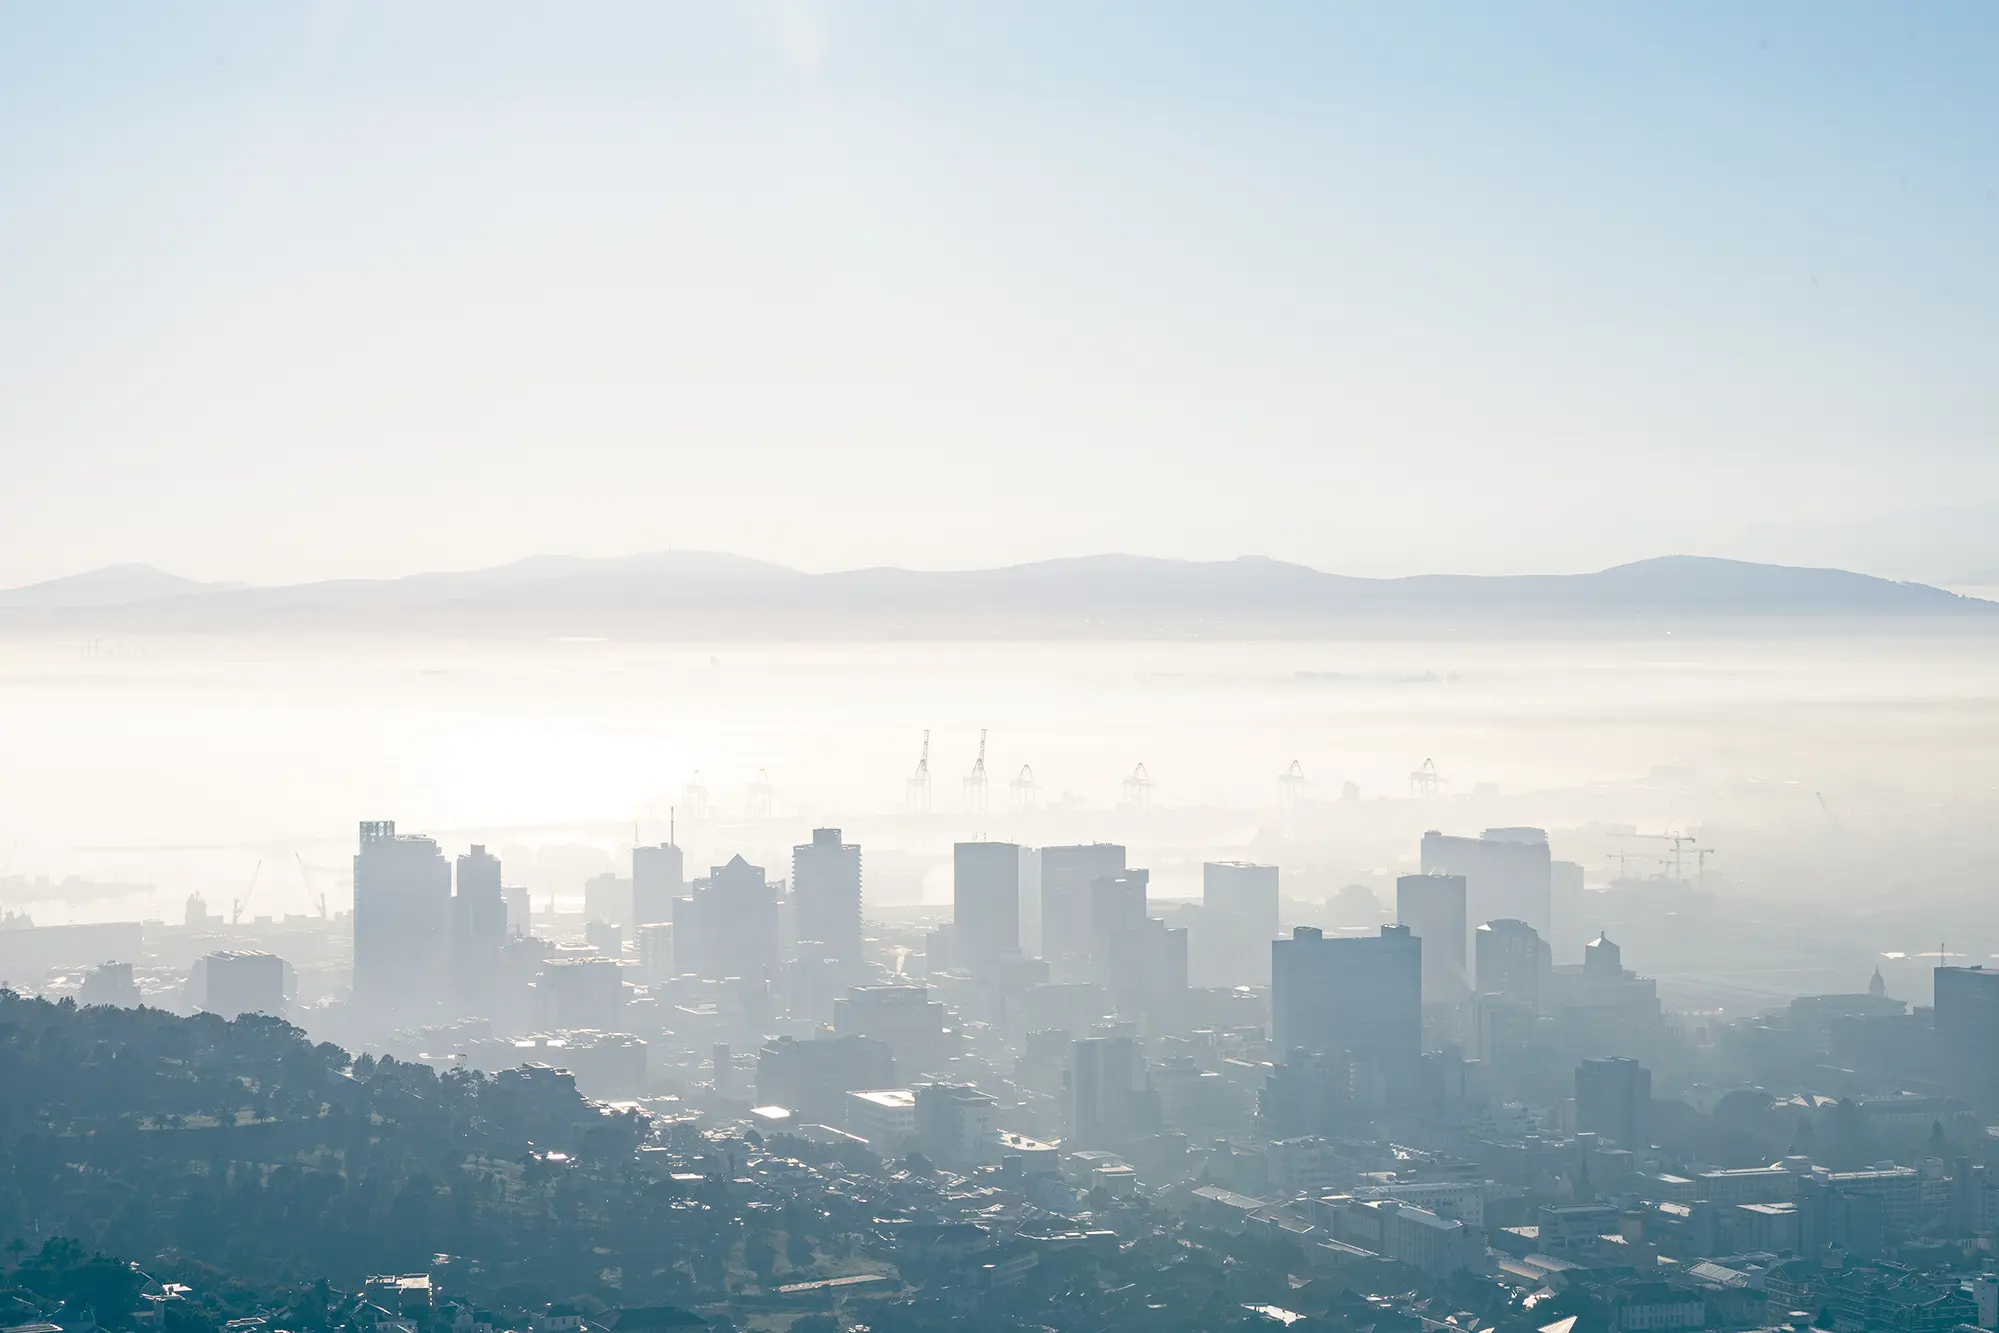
x,y
1512,962
826,895
607,897
1145,972
581,993
728,927
1967,1034
1117,906
1360,995
1030,902
1507,873
1433,907
1066,876
985,902
659,875
238,981
1239,917
402,920
478,929
1104,1103
1614,1099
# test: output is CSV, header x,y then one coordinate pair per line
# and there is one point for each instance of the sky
x,y
311,290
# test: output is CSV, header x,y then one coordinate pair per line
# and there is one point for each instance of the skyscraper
x,y
826,893
1104,1103
1066,876
728,926
478,929
1239,918
1967,1033
659,875
402,920
1433,907
1507,873
1614,1099
1117,906
1512,962
985,902
1361,995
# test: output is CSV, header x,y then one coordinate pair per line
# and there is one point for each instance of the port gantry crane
x,y
975,782
916,788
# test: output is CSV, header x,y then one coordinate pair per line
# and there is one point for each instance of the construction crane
x,y
694,797
1291,783
1138,788
916,788
318,900
975,782
1024,793
1426,781
763,797
236,908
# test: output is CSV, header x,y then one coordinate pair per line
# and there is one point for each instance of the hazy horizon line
x,y
1580,568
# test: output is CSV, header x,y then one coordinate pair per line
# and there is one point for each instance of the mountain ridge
x,y
712,594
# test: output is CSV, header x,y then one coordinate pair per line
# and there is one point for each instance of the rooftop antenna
x,y
975,784
672,826
916,788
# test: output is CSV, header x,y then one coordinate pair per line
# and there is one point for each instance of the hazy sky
x,y
297,291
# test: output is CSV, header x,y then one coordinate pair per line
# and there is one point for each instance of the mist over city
x,y
837,668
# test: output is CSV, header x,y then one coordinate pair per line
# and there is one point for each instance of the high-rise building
x,y
238,981
1614,1099
582,992
1507,873
402,920
826,894
1433,907
1967,1033
985,902
1066,876
1238,919
658,877
1512,962
729,926
903,1016
812,1078
1145,971
607,897
1104,1100
478,929
956,1123
1362,995
1117,906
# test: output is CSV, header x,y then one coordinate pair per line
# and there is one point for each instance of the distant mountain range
x,y
113,585
703,595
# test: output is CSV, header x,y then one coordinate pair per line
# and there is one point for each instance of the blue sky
x,y
298,291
